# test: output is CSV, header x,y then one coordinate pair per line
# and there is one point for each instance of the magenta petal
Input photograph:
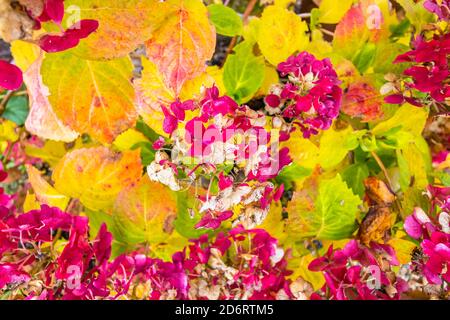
x,y
55,10
412,227
394,99
54,43
10,76
82,29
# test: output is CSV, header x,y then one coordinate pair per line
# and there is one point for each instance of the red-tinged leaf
x,y
367,21
10,76
42,120
363,101
183,43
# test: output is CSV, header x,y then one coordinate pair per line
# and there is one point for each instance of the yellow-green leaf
x,y
91,97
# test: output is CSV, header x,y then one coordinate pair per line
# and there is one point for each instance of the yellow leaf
x,y
183,43
270,78
8,131
320,48
96,175
151,93
332,11
51,152
91,97
403,249
42,120
299,266
281,34
303,152
217,74
123,25
128,139
44,192
251,30
24,53
30,203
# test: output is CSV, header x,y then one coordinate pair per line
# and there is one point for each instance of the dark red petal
x,y
394,99
82,29
55,10
52,43
10,76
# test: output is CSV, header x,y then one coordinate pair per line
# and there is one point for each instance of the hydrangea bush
x,y
188,149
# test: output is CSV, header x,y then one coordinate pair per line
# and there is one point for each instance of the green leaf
x,y
147,152
184,223
292,173
335,145
243,73
365,57
336,209
17,110
354,176
225,19
143,128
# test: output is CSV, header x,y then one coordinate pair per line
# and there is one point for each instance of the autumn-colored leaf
x,y
281,34
43,191
95,176
123,25
91,97
42,120
362,100
376,225
145,211
183,43
378,192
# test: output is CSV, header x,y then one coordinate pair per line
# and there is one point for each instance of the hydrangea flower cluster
x,y
357,272
434,261
243,264
311,97
221,132
428,75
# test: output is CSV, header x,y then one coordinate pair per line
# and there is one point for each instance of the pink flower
x,y
311,98
10,76
10,275
441,8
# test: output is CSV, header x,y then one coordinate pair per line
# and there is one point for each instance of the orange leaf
x,y
96,175
93,97
363,101
123,25
183,43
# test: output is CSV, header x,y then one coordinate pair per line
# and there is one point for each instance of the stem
x,y
328,32
248,10
382,167
5,100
